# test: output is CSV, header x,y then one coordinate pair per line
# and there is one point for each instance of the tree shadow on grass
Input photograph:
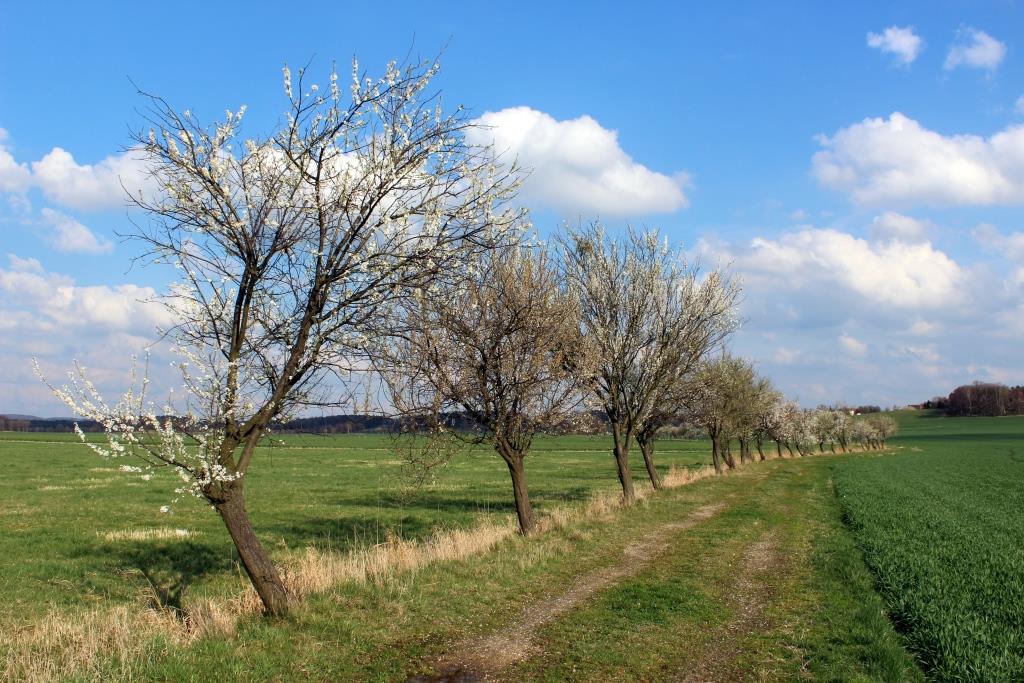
x,y
414,517
168,569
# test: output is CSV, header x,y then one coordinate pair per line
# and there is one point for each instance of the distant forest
x,y
333,424
981,399
582,423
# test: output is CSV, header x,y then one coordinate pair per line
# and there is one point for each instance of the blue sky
x,y
866,184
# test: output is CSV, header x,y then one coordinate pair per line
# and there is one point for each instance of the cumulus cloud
x,y
902,43
55,304
898,160
14,177
975,49
1009,246
891,274
832,316
88,187
66,234
577,165
50,316
64,181
895,226
852,345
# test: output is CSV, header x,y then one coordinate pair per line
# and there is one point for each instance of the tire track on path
x,y
481,659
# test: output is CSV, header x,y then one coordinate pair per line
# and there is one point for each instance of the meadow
x,y
73,522
753,574
941,525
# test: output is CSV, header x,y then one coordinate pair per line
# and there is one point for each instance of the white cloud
x,y
55,304
577,165
890,274
67,234
88,187
903,43
785,356
898,160
14,177
926,352
852,345
895,226
1010,246
923,328
50,316
976,49
875,321
24,265
85,187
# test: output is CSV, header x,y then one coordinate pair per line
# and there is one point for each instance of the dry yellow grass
x,y
63,645
159,533
314,570
681,477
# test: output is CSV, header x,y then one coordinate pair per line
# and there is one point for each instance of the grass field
x,y
942,527
63,508
754,574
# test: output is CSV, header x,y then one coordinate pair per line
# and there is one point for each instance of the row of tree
x,y
366,236
734,405
981,399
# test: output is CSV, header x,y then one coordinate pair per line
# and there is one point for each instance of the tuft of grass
x,y
84,644
676,477
146,534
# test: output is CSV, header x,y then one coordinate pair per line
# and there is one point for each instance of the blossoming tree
x,y
646,319
492,348
291,248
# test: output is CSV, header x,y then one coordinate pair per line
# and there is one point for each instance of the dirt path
x,y
482,659
720,662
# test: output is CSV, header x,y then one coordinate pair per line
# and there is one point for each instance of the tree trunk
x,y
789,447
257,564
760,448
716,457
647,448
778,447
727,453
524,511
745,451
621,453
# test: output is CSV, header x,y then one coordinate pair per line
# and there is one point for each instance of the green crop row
x,y
942,529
